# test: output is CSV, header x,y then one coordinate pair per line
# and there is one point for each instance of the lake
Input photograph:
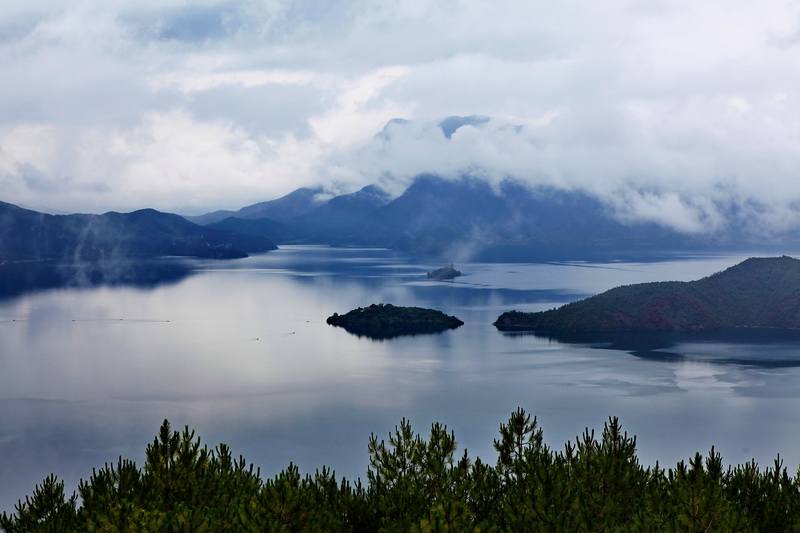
x,y
93,359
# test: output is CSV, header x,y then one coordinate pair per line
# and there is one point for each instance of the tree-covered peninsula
x,y
419,483
757,293
384,321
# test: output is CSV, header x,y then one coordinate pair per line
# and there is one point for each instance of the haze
x,y
678,112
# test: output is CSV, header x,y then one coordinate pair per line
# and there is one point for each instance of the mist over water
x,y
239,350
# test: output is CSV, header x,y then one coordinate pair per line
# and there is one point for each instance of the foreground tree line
x,y
414,484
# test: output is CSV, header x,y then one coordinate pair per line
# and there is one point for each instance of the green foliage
x,y
420,484
409,475
46,511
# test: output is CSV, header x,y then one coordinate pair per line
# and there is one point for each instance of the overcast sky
x,y
669,110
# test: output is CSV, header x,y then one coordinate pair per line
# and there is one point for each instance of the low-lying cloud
x,y
683,114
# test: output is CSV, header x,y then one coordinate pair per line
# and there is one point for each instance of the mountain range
x,y
455,219
449,219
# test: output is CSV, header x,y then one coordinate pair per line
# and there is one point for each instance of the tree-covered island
x,y
756,293
384,321
448,272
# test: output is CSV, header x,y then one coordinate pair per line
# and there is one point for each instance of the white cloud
x,y
669,110
190,82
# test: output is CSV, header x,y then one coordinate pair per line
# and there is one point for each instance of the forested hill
x,y
30,235
759,292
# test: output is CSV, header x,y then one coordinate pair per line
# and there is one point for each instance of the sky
x,y
681,112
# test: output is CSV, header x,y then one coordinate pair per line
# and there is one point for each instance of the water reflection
x,y
381,334
756,347
17,279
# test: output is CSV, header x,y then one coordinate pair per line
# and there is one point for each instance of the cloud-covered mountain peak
x,y
451,124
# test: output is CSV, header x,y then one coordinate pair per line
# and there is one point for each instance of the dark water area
x,y
19,278
94,357
756,347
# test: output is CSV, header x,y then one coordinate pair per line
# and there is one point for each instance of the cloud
x,y
676,112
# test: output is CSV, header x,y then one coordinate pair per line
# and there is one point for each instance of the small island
x,y
384,321
756,293
443,273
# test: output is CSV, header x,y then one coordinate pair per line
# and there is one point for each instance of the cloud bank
x,y
678,112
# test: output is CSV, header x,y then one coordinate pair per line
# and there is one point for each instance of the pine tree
x,y
535,483
770,499
606,479
417,484
692,499
48,510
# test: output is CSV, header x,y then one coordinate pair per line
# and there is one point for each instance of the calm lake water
x,y
240,351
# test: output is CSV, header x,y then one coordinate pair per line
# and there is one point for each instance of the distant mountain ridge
x,y
447,218
757,293
284,209
30,235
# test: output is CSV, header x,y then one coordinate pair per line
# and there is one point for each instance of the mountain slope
x,y
301,217
759,292
26,235
260,227
283,209
435,215
339,220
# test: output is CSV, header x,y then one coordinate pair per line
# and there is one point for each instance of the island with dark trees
x,y
384,321
443,273
756,293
